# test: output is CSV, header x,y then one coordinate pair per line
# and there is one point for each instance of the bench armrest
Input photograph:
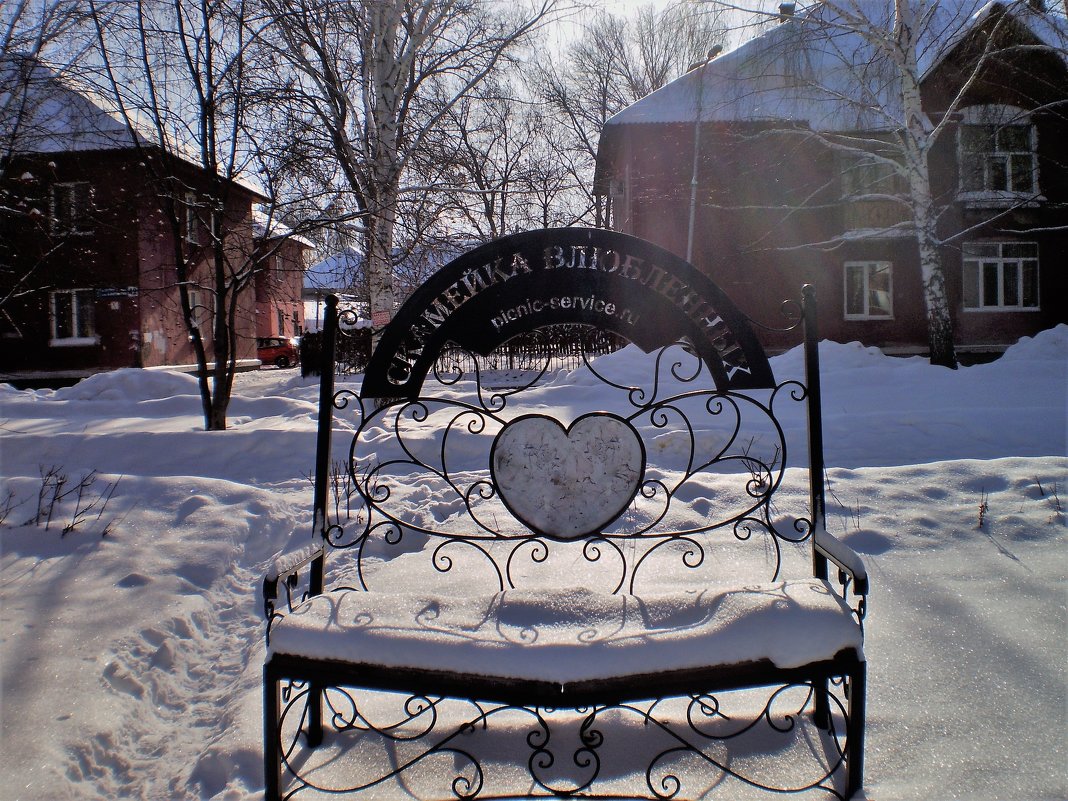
x,y
284,577
844,558
291,562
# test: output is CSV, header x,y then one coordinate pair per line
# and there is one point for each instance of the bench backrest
x,y
665,456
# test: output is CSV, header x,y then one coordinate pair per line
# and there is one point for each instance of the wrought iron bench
x,y
566,582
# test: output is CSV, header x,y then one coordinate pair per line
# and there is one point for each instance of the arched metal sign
x,y
546,277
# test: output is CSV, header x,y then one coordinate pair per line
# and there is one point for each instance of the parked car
x,y
279,351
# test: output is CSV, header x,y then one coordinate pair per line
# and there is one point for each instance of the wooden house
x,y
780,163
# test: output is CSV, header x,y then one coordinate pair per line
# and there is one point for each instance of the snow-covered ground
x,y
131,647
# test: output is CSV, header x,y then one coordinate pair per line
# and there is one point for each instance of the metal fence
x,y
554,348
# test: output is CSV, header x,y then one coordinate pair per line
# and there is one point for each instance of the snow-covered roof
x,y
44,111
339,271
50,115
267,226
336,272
806,69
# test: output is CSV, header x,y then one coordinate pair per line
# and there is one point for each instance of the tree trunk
x,y
916,144
932,273
216,419
939,320
222,345
379,239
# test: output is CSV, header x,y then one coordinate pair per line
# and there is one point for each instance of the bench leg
x,y
272,760
315,716
821,712
855,730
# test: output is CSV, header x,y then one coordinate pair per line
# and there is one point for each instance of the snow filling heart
x,y
571,483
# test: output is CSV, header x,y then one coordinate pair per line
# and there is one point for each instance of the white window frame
x,y
200,303
83,332
216,224
997,117
192,219
978,265
867,269
619,195
77,219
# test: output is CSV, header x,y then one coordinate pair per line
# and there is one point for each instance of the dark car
x,y
279,351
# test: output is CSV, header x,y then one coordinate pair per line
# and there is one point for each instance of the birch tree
x,y
372,79
869,59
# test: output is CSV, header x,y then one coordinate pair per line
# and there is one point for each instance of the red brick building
x,y
280,280
740,166
87,241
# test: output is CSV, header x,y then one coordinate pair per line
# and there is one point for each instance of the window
x,y
201,307
192,219
71,207
281,322
1000,276
868,175
73,317
868,290
619,199
997,151
871,188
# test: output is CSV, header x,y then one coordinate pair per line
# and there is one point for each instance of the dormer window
x,y
997,152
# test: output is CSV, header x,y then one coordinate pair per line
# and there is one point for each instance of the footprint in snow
x,y
123,681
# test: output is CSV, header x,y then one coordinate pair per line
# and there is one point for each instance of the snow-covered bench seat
x,y
572,636
559,583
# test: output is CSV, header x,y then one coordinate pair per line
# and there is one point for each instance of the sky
x,y
571,25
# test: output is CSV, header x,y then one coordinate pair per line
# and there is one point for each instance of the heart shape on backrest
x,y
567,484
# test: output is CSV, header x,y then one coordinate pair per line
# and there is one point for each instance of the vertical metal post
x,y
272,756
322,491
815,421
696,156
855,730
822,710
325,425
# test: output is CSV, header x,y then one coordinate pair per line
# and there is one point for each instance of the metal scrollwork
x,y
681,749
424,491
718,443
